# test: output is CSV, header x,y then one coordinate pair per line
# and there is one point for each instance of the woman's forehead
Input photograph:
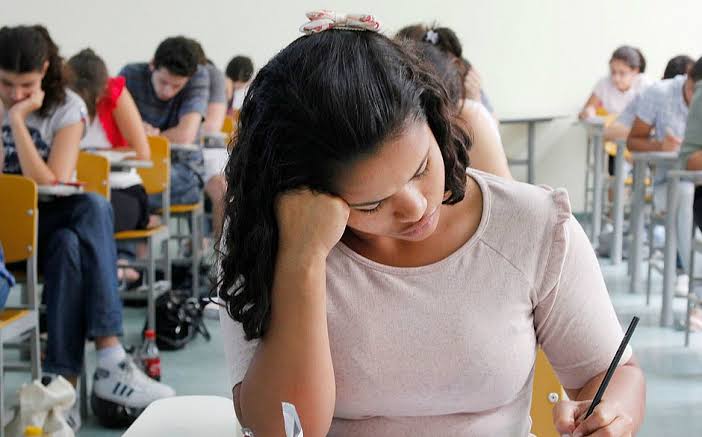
x,y
391,166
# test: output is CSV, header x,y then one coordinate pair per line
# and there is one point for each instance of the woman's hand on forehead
x,y
310,224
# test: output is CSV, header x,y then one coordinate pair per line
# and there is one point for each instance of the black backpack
x,y
178,320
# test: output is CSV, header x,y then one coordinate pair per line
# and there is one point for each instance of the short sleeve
x,y
115,87
574,319
648,105
71,112
196,94
218,91
237,350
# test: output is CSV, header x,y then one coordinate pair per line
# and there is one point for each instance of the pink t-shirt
x,y
448,349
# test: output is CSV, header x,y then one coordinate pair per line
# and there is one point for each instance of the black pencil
x,y
612,366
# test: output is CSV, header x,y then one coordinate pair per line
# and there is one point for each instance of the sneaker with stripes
x,y
120,394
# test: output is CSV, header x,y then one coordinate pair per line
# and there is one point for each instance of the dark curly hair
x,y
25,49
323,102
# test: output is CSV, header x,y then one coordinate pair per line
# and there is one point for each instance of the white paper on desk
x,y
114,155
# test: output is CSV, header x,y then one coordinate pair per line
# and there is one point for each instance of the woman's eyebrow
x,y
419,170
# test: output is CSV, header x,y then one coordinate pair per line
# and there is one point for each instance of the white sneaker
x,y
128,385
682,283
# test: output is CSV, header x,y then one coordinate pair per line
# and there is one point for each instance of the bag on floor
x,y
179,318
42,408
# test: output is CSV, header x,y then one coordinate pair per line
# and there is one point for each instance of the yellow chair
x,y
194,214
228,126
546,392
156,180
18,235
94,171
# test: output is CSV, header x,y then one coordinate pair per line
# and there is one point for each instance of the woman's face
x,y
622,75
15,87
397,192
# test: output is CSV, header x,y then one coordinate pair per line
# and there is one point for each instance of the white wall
x,y
536,56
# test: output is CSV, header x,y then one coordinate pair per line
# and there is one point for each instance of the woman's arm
x,y
640,140
293,361
590,107
486,153
64,149
130,124
622,406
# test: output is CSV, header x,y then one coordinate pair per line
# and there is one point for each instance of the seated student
x,y
625,81
619,129
239,72
171,93
42,126
661,115
691,159
447,40
7,281
215,159
487,153
115,124
405,293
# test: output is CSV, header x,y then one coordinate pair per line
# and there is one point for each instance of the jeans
x,y
78,258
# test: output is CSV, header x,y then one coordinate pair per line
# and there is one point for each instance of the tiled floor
x,y
674,373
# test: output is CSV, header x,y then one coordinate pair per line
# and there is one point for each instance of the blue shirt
x,y
663,107
166,114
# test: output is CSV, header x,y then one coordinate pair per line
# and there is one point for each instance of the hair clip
x,y
325,20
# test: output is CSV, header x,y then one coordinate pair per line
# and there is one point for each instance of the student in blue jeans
x,y
42,124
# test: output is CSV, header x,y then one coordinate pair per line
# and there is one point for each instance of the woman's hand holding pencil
x,y
597,417
607,419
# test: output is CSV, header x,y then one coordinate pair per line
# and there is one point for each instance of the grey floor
x,y
674,373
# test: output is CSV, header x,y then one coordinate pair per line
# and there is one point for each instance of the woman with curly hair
x,y
380,285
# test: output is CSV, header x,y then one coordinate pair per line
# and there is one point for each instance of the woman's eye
x,y
372,210
423,172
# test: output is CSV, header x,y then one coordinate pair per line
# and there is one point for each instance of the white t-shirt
x,y
238,98
614,100
95,138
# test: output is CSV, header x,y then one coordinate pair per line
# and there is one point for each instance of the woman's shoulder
x,y
511,195
71,107
521,217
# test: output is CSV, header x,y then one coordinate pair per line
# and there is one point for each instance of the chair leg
x,y
196,241
151,297
650,267
690,287
84,393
